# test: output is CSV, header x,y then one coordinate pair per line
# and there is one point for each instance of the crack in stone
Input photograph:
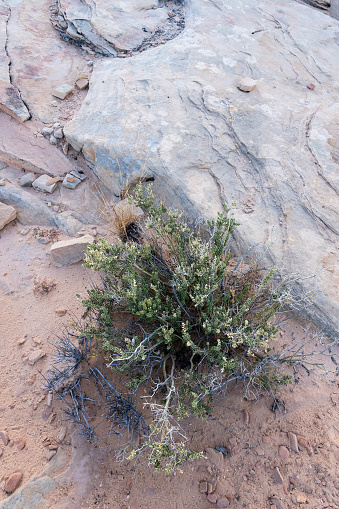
x,y
10,64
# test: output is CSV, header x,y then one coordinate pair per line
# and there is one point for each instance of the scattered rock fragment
x,y
293,442
311,86
21,341
284,453
58,134
61,311
49,399
47,131
79,174
35,356
66,252
7,214
277,476
246,84
50,454
63,91
216,458
70,181
2,182
41,184
211,497
4,437
25,230
13,482
266,439
222,502
27,180
20,443
46,413
62,433
203,486
53,140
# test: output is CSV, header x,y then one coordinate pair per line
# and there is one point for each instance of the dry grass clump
x,y
43,286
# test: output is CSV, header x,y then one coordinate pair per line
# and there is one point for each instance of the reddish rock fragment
x,y
203,487
277,476
4,437
13,482
311,86
20,444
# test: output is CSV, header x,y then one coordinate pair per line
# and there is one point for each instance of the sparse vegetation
x,y
43,286
179,316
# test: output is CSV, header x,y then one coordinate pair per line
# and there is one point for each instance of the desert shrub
x,y
178,314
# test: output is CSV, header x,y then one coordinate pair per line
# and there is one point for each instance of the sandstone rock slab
x,y
175,113
112,26
7,214
41,184
66,252
19,147
10,99
13,482
62,91
35,356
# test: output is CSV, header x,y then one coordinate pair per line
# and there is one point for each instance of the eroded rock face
x,y
111,26
175,113
40,59
10,99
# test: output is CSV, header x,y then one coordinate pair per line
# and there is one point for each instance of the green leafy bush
x,y
178,314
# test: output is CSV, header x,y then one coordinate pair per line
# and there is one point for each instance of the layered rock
x,y
110,27
10,99
175,113
40,59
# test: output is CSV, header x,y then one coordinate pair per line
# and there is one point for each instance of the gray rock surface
x,y
110,27
27,179
175,112
10,99
30,209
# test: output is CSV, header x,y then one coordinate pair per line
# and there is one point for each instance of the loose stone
x,y
4,437
20,444
63,91
284,453
27,180
246,84
41,184
13,482
277,476
223,502
35,356
59,134
293,442
7,214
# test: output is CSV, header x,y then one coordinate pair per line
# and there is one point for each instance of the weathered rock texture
x,y
19,147
40,59
176,111
10,99
110,27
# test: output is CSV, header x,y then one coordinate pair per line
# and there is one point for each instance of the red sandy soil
x,y
250,430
